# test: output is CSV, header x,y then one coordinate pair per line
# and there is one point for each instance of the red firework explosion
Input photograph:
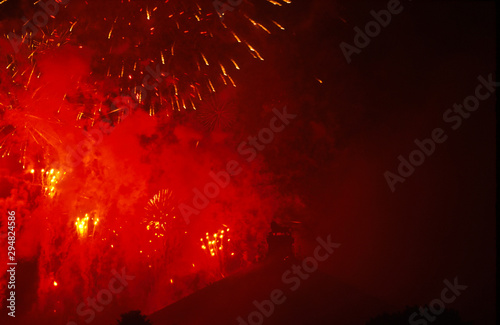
x,y
117,207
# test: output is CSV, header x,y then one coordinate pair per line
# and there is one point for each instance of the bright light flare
x,y
215,243
82,225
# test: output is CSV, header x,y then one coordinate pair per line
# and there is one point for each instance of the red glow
x,y
102,168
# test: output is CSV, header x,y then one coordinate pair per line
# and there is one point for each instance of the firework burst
x,y
160,213
196,50
216,245
99,218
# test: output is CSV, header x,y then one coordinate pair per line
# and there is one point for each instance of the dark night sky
x,y
439,224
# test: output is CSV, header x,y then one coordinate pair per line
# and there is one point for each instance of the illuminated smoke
x,y
116,207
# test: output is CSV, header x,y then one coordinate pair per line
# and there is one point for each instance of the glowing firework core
x,y
214,243
82,225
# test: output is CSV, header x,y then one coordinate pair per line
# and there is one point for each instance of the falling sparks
x,y
82,225
215,243
49,178
160,209
191,22
27,135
